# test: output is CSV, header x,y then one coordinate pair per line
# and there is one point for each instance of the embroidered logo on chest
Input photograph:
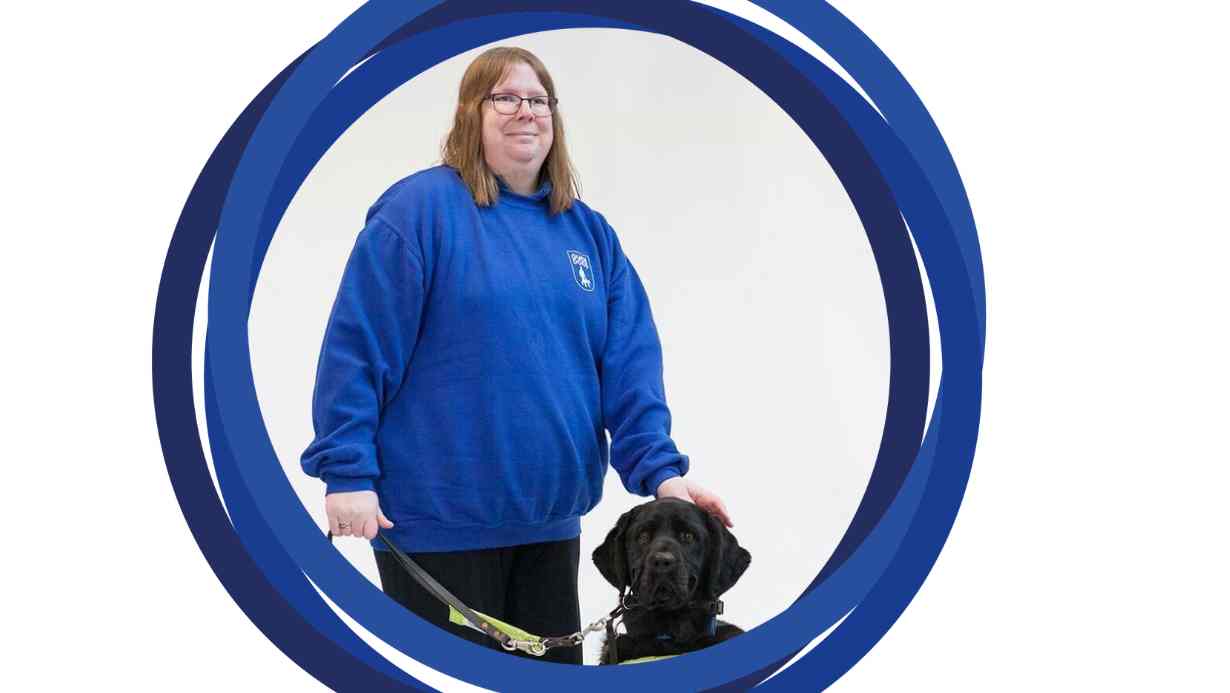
x,y
582,271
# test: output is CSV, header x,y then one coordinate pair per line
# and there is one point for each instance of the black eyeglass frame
x,y
551,102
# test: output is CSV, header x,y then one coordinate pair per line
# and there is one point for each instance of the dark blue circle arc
x,y
252,524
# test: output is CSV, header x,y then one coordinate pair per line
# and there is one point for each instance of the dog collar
x,y
710,630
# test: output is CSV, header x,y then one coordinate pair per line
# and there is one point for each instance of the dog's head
x,y
671,552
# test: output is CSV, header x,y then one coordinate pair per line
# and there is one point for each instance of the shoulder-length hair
x,y
463,148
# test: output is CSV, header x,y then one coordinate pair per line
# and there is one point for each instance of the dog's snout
x,y
661,561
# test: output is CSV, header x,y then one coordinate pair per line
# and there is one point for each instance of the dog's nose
x,y
662,561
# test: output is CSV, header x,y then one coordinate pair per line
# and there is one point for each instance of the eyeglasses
x,y
510,104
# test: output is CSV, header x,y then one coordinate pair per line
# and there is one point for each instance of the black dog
x,y
677,560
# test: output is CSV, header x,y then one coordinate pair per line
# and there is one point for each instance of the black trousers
x,y
532,586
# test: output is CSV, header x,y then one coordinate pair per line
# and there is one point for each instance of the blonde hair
x,y
463,147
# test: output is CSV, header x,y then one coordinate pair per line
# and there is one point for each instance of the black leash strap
x,y
439,592
612,637
536,646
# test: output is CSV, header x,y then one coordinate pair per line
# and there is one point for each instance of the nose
x,y
661,561
524,109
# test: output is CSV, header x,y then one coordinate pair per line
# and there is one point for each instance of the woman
x,y
487,329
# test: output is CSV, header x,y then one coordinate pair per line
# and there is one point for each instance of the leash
x,y
510,637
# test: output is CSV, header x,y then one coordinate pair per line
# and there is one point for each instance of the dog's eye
x,y
687,537
642,538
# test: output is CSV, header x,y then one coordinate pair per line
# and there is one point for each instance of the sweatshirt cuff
x,y
346,484
658,477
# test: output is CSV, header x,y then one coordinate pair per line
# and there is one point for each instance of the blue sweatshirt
x,y
472,361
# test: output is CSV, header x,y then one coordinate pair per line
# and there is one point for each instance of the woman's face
x,y
518,142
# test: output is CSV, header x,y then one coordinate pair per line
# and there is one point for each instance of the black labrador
x,y
675,560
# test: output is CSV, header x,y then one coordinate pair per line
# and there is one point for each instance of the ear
x,y
726,560
610,557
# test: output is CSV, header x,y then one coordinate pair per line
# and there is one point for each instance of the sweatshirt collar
x,y
534,198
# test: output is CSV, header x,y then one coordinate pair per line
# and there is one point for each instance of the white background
x,y
1089,551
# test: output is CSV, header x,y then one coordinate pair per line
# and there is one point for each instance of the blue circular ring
x,y
958,299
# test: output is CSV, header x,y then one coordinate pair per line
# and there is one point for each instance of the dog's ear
x,y
726,560
610,557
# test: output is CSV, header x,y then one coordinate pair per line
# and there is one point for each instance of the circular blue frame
x,y
895,175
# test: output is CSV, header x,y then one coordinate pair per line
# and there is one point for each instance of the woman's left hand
x,y
685,489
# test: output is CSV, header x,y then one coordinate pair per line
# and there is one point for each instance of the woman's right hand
x,y
356,514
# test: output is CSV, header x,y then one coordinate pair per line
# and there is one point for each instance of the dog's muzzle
x,y
664,582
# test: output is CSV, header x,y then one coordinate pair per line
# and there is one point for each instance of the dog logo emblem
x,y
582,271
